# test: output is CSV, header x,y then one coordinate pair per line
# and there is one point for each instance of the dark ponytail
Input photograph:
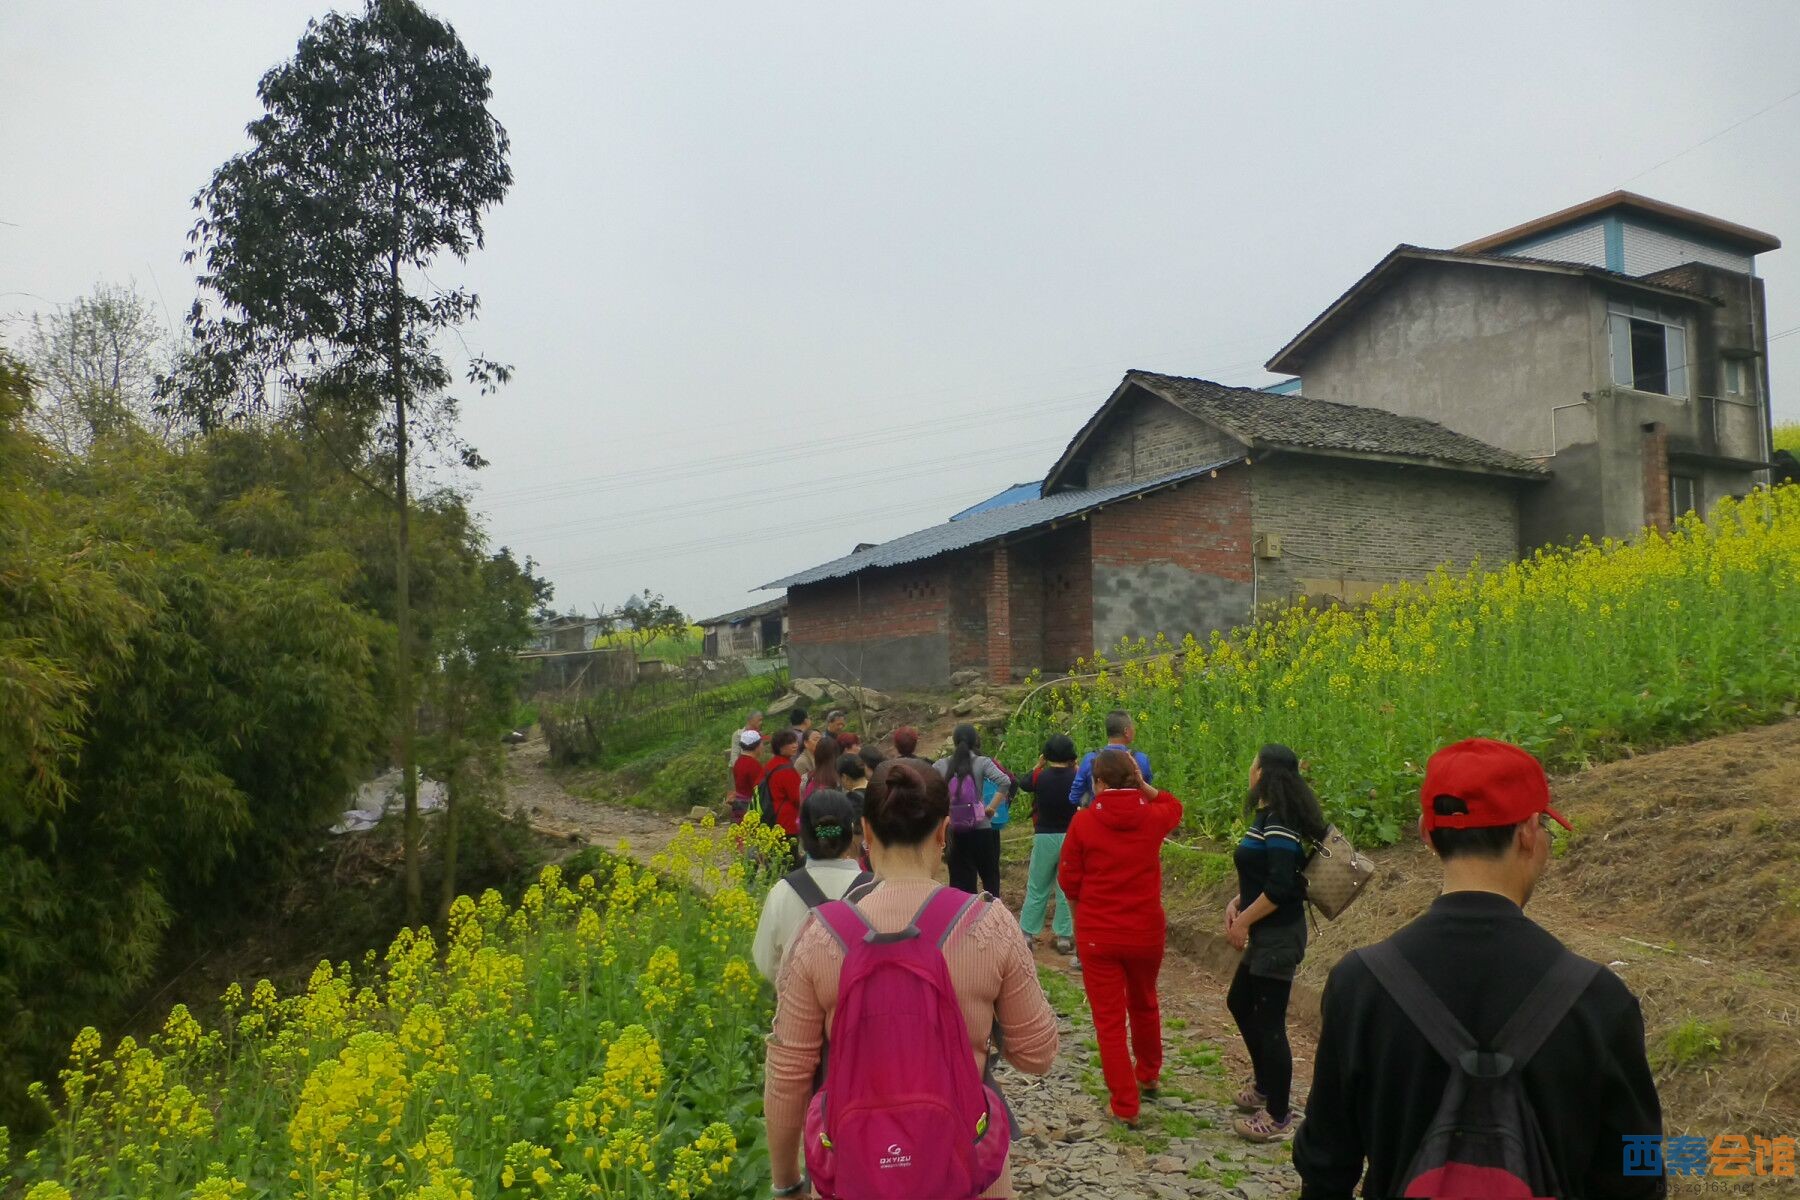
x,y
967,740
1290,799
828,825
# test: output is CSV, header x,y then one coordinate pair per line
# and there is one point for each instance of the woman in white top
x,y
831,835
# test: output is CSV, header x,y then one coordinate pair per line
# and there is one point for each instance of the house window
x,y
1734,377
1683,495
1649,350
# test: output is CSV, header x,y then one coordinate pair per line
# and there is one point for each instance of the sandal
x,y
1249,1100
1261,1127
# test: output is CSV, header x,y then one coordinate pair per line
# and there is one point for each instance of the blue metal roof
x,y
979,527
1018,493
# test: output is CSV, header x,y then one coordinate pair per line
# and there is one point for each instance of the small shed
x,y
750,632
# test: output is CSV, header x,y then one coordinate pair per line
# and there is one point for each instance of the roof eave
x,y
1524,475
1053,477
804,578
1754,240
1291,358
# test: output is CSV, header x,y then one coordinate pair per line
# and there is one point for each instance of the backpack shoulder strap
x,y
1420,1004
940,914
845,923
806,887
1543,1010
856,890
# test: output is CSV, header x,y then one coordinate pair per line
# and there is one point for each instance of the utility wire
x,y
1714,137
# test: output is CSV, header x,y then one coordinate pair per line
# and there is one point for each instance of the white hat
x,y
749,739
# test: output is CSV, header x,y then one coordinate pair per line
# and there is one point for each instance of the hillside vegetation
x,y
602,1038
195,645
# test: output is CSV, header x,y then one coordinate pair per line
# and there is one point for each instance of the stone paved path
x,y
1183,1145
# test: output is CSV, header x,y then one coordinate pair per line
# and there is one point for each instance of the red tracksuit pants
x,y
1121,991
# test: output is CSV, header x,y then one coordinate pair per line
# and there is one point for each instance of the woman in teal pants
x,y
1050,782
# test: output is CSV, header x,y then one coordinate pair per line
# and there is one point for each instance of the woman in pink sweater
x,y
905,819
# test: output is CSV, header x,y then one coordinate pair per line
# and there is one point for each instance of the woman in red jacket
x,y
1111,872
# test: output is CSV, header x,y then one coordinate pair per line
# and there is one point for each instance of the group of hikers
x,y
1470,1054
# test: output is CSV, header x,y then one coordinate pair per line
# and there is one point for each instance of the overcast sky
x,y
780,278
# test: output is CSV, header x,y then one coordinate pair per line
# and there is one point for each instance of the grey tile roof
x,y
766,608
1300,422
976,528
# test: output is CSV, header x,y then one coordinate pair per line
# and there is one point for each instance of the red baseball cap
x,y
1501,784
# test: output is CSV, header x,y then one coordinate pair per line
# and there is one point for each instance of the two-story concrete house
x,y
1621,343
1585,374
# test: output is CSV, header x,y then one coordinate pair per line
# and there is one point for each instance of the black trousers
x,y
973,856
1259,1005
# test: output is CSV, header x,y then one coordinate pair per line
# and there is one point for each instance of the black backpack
x,y
1484,1139
765,799
809,891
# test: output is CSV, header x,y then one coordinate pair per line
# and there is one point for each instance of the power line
x,y
963,410
1714,137
808,488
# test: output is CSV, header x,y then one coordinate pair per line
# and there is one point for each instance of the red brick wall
x,y
1656,477
896,602
1067,581
1203,526
1025,606
969,576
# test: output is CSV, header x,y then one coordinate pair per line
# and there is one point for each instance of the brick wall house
x,y
1178,507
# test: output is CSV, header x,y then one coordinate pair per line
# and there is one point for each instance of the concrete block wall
x,y
1344,523
1147,437
1175,562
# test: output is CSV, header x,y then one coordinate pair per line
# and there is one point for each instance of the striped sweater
x,y
1268,860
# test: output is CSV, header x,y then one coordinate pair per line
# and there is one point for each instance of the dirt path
x,y
1069,1146
533,790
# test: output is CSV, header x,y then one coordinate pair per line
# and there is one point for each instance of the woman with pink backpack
x,y
974,842
907,996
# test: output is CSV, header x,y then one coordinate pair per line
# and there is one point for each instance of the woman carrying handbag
x,y
1267,920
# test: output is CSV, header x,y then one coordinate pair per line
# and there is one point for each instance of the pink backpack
x,y
966,808
903,1112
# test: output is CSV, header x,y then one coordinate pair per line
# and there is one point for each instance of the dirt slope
x,y
1684,876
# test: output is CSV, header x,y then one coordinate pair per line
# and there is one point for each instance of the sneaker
x,y
1064,945
1075,965
1249,1100
1031,941
1261,1127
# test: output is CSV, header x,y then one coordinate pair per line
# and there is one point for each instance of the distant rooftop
x,y
1018,493
975,529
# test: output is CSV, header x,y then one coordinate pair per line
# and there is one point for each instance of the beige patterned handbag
x,y
1335,874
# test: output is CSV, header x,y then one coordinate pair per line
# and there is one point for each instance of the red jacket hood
x,y
1121,809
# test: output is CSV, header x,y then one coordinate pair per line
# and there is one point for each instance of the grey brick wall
x,y
1348,526
1147,436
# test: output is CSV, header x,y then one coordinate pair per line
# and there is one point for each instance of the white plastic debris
x,y
381,796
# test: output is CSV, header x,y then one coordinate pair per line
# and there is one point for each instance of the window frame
x,y
1676,375
1733,382
1692,485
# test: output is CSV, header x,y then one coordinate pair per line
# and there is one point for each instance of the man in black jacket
x,y
1377,1081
